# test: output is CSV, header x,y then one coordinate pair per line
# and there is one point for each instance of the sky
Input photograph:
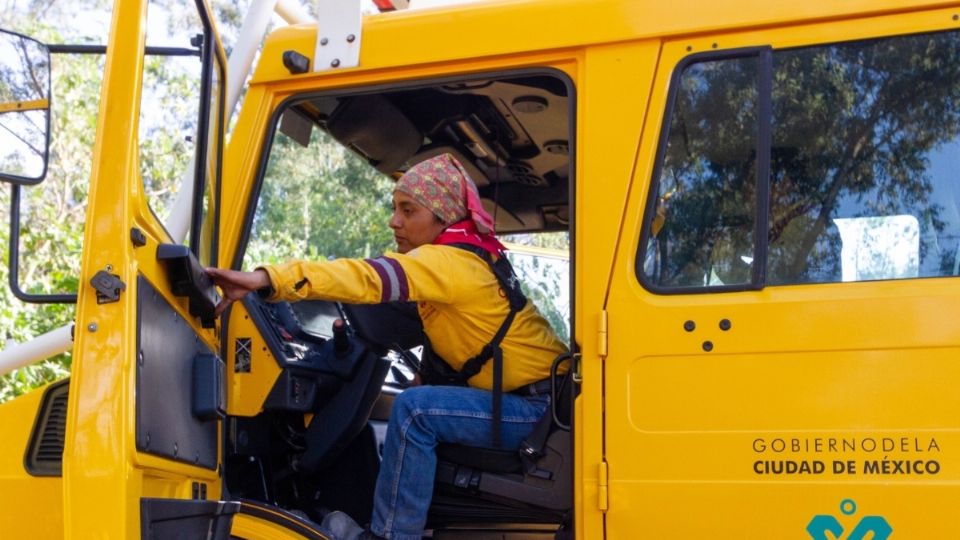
x,y
95,24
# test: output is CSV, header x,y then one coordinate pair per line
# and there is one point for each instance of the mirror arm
x,y
102,49
14,260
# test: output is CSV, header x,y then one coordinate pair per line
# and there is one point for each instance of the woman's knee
x,y
410,400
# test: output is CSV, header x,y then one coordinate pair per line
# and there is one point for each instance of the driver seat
x,y
509,487
475,484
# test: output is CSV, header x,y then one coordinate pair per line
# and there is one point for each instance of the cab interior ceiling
x,y
511,135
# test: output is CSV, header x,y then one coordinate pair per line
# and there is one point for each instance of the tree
x,y
319,201
53,212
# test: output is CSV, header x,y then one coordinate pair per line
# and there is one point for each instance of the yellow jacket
x,y
458,298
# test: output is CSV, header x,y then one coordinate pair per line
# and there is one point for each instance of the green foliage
x,y
52,217
53,213
168,120
316,202
545,278
26,379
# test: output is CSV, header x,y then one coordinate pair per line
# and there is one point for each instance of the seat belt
x,y
531,449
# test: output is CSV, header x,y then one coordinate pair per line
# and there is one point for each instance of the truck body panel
x,y
793,376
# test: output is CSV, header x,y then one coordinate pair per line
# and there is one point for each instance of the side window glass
x,y
180,121
168,123
864,161
702,234
859,172
169,104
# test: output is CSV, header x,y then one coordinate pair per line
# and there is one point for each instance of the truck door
x,y
142,445
780,358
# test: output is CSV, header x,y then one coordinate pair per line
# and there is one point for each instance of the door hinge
x,y
602,335
603,493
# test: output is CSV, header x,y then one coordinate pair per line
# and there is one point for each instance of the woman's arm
x,y
235,284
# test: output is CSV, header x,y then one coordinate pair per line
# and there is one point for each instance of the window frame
x,y
762,209
272,123
764,57
216,60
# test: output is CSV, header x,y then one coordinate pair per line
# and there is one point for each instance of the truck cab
x,y
760,204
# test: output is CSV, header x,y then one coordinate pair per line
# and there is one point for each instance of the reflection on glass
x,y
23,143
864,160
24,106
703,232
886,247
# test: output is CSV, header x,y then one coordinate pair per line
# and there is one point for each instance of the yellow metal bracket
x,y
576,369
603,493
21,106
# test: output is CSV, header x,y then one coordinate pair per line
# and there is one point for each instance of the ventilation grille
x,y
45,453
524,174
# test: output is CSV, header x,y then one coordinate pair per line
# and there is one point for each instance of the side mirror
x,y
24,109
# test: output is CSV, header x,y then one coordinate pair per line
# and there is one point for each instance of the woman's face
x,y
412,223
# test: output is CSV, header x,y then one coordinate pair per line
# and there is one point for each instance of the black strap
x,y
508,281
497,396
531,449
503,271
473,366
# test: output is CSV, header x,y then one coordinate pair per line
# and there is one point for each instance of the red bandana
x,y
465,232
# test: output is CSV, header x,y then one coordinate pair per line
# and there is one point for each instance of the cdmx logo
x,y
876,525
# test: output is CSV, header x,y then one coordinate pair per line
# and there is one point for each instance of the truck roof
x,y
498,27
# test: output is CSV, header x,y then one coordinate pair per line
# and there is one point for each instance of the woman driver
x,y
462,306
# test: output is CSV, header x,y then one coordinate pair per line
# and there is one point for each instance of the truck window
x,y
862,157
707,186
169,108
318,201
330,161
544,274
182,94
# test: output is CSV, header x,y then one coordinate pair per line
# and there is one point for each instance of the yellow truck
x,y
763,206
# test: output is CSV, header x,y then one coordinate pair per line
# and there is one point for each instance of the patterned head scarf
x,y
444,187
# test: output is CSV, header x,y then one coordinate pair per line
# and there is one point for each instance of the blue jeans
x,y
422,417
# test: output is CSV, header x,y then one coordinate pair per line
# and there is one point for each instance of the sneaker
x,y
340,526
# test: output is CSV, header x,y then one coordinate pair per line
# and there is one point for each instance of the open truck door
x,y
146,388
